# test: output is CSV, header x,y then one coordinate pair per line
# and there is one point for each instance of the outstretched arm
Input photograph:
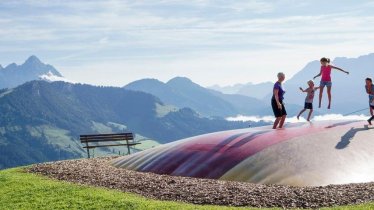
x,y
302,90
320,73
342,70
316,88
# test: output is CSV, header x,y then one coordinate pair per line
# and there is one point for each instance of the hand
x,y
347,72
279,105
301,88
314,77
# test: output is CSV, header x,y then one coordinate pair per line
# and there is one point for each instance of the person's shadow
x,y
347,137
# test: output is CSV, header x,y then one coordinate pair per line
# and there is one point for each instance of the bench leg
x,y
88,150
128,147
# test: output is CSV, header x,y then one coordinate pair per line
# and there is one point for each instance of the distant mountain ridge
x,y
182,92
13,75
258,91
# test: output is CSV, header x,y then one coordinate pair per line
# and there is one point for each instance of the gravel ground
x,y
98,172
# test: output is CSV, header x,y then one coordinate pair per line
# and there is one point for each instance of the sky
x,y
220,42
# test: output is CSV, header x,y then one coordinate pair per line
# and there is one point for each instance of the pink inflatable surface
x,y
302,154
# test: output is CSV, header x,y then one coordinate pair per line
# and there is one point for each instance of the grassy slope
x,y
19,190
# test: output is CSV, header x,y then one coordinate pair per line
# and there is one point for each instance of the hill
x,y
41,121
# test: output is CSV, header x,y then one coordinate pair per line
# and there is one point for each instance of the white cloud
x,y
254,6
326,117
104,40
50,77
251,118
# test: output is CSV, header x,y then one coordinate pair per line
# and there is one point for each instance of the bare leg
x,y
320,96
276,122
372,116
301,112
369,120
329,95
281,123
310,114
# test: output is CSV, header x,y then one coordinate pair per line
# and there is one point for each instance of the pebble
x,y
99,172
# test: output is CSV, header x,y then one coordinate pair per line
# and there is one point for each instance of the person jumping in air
x,y
370,90
309,99
326,78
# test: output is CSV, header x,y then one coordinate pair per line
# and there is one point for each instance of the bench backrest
x,y
106,137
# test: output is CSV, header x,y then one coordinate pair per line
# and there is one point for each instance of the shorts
x,y
278,112
308,105
372,106
325,83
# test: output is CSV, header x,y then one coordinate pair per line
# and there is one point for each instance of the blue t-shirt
x,y
278,86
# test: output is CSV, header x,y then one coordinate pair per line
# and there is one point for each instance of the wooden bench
x,y
92,141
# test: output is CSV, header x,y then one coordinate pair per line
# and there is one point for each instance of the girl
x,y
279,110
326,78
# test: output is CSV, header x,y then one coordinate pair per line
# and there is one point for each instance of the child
x,y
370,90
326,78
309,99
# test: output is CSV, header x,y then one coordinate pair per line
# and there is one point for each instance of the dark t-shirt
x,y
371,95
310,95
278,86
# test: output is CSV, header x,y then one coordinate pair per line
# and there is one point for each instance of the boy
x,y
369,87
309,99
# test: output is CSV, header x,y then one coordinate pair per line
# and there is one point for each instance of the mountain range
x,y
259,91
41,121
32,69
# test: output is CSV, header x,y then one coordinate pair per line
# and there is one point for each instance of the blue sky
x,y
211,42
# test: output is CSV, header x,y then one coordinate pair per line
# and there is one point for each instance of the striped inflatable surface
x,y
302,154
